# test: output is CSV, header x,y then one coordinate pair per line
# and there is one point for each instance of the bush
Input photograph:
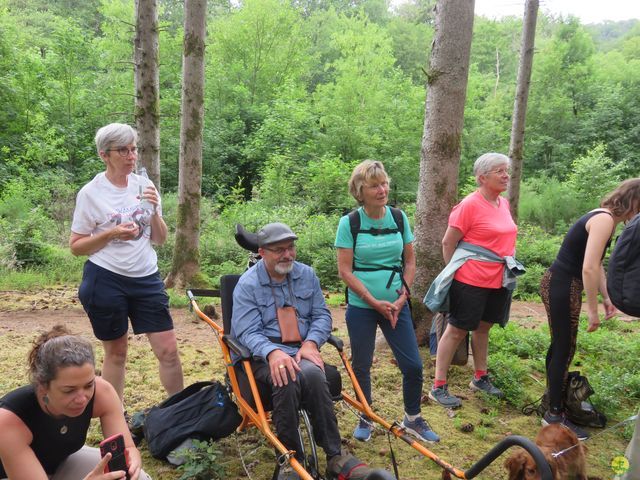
x,y
27,239
326,186
202,462
537,251
550,204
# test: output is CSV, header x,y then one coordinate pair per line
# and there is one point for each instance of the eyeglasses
x,y
281,250
124,151
502,171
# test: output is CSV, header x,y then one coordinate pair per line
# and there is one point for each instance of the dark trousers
x,y
362,324
310,392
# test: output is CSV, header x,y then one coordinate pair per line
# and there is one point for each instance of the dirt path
x,y
22,312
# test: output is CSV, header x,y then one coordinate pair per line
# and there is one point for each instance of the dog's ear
x,y
515,465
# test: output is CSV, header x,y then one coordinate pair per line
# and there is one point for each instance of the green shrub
x,y
550,204
326,186
202,462
536,250
509,371
27,238
593,176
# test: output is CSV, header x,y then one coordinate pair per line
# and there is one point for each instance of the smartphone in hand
x,y
119,460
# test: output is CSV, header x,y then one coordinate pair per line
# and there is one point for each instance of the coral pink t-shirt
x,y
488,226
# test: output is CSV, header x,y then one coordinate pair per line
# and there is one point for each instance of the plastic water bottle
x,y
144,203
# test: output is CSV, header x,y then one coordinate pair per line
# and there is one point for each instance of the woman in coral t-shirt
x,y
477,298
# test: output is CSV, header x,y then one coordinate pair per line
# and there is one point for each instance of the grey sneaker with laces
x,y
420,429
442,396
485,385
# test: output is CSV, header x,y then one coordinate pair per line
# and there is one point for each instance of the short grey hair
x,y
115,135
47,358
488,162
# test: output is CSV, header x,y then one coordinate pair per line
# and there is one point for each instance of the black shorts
x,y
111,299
469,305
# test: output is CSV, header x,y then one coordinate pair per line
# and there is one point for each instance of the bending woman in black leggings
x,y
578,268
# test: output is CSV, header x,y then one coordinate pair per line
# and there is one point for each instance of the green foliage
x,y
593,175
536,250
280,183
202,462
549,203
325,187
606,356
508,371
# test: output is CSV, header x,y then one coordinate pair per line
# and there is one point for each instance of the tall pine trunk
x,y
186,252
147,87
441,140
516,147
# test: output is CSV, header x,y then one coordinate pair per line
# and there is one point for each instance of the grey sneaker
x,y
562,419
442,396
420,429
485,385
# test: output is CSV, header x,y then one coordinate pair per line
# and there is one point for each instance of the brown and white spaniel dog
x,y
551,439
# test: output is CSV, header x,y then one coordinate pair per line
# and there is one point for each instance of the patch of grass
x,y
467,433
334,299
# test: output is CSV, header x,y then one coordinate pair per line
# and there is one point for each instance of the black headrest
x,y
247,240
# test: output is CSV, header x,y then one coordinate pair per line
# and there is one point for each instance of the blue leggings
x,y
361,324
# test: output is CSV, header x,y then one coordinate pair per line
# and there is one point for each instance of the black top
x,y
53,439
571,254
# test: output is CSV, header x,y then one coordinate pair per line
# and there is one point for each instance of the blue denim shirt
x,y
254,311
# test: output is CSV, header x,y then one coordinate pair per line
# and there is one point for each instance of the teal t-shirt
x,y
373,251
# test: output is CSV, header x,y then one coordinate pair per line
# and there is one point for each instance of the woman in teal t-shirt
x,y
378,292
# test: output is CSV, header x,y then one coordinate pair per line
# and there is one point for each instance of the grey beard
x,y
282,270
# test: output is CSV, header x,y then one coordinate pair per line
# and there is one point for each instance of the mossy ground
x,y
467,434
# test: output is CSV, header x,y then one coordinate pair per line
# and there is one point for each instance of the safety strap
x,y
392,453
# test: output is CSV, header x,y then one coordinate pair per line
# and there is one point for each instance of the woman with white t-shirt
x,y
121,281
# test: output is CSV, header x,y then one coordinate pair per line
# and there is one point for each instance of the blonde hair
x,y
363,173
625,199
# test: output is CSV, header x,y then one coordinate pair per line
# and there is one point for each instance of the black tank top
x,y
571,254
53,439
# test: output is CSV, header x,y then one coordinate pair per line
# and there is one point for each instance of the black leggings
x,y
562,298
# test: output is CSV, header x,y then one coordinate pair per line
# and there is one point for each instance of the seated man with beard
x,y
280,315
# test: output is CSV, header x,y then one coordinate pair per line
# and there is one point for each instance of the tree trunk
x,y
516,147
147,86
186,251
440,153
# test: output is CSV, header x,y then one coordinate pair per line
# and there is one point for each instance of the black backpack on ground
x,y
354,225
623,275
576,403
202,411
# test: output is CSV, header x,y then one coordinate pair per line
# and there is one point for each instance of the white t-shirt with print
x,y
101,206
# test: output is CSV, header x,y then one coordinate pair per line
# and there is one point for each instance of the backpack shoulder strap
x,y
396,213
354,225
